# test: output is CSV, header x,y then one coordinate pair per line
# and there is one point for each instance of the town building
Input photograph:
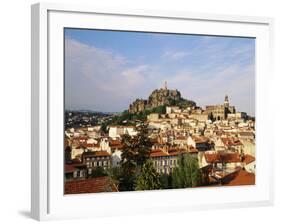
x,y
229,143
153,117
220,138
165,158
173,109
220,112
201,143
94,159
75,171
116,131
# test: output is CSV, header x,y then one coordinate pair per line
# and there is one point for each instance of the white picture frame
x,y
48,201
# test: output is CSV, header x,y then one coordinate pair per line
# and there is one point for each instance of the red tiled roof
x,y
211,157
242,178
95,153
226,157
101,153
200,139
88,145
76,160
192,149
94,185
157,153
232,157
170,152
81,138
69,168
231,141
248,159
116,144
175,152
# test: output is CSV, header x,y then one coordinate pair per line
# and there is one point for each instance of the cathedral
x,y
220,112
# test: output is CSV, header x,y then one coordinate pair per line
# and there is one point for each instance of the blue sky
x,y
107,70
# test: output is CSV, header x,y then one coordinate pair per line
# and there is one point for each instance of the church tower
x,y
226,102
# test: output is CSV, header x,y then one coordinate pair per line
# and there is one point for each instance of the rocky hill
x,y
160,97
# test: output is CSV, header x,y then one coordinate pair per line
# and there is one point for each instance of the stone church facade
x,y
220,112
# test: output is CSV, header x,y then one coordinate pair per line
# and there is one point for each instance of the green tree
x,y
165,181
115,173
97,172
104,127
136,150
148,179
187,174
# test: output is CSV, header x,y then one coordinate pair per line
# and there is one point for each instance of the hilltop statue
x,y
165,85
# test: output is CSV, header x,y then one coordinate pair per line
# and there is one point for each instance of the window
x,y
100,163
104,163
95,163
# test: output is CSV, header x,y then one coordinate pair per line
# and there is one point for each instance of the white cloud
x,y
236,81
95,78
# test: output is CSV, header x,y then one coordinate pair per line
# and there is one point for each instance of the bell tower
x,y
226,102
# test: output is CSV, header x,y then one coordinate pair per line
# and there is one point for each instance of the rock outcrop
x,y
137,106
160,97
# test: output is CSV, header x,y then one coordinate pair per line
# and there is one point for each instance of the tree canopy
x,y
187,173
136,150
148,179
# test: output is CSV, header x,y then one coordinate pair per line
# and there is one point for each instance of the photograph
x,y
157,111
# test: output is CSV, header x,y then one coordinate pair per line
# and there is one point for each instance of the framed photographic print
x,y
161,111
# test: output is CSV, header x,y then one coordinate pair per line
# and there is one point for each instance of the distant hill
x,y
92,112
160,97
